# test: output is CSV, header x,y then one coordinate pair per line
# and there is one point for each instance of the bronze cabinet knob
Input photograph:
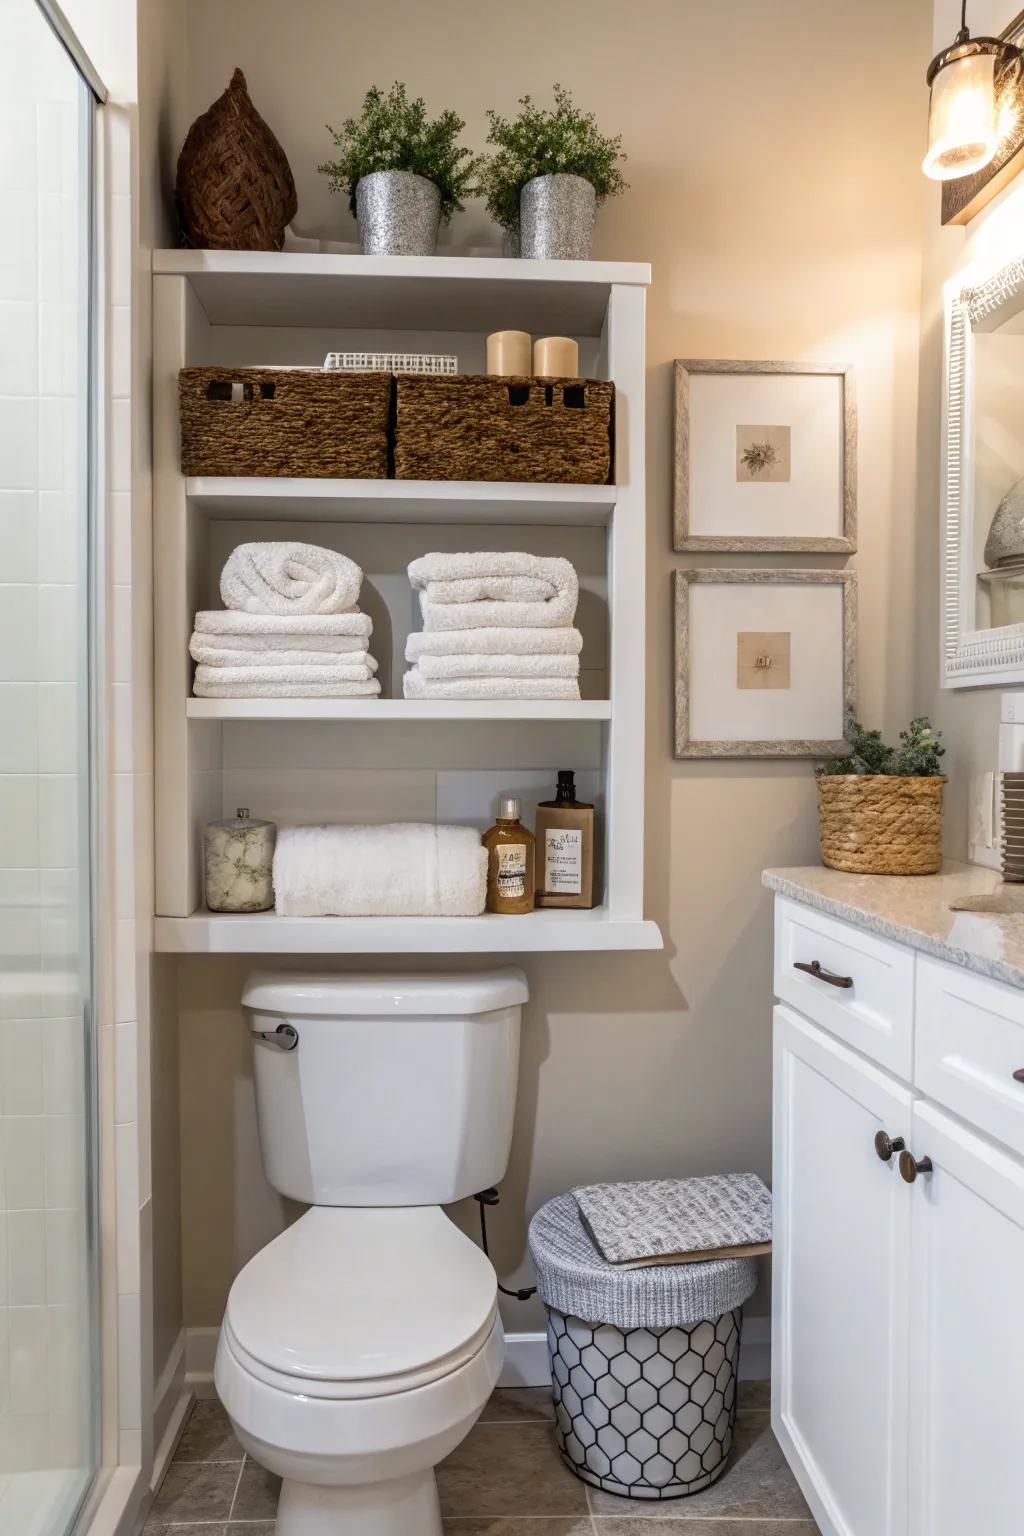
x,y
1018,1076
887,1146
911,1166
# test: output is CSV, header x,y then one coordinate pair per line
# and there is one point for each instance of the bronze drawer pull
x,y
1018,1076
886,1146
815,969
911,1166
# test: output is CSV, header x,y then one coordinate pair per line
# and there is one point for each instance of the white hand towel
x,y
255,646
229,621
220,690
289,578
402,869
498,589
355,666
503,562
416,686
561,610
484,642
226,678
436,667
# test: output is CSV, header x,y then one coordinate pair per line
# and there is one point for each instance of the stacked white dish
x,y
496,625
291,628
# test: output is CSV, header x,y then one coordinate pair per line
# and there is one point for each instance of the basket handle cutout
x,y
268,390
518,394
235,390
549,394
574,397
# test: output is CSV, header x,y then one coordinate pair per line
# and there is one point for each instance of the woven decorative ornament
x,y
235,190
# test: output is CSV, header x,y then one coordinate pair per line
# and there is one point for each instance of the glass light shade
x,y
963,127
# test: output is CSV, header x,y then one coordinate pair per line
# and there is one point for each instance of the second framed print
x,y
765,457
765,662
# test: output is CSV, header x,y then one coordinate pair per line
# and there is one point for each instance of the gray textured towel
x,y
678,1221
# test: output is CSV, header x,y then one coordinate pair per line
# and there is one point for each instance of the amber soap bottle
x,y
510,862
565,847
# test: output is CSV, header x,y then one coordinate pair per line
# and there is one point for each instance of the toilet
x,y
359,1347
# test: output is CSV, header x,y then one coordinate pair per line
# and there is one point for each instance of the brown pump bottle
x,y
510,858
565,847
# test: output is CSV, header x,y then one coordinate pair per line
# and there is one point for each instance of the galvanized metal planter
x,y
398,214
556,218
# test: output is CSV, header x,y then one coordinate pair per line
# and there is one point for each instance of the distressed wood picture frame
x,y
686,746
685,539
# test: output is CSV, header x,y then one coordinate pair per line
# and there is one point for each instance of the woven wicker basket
x,y
881,824
284,421
556,431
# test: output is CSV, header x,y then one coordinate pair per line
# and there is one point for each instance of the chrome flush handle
x,y
285,1037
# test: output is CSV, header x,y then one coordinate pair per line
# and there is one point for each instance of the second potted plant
x,y
881,807
403,173
550,171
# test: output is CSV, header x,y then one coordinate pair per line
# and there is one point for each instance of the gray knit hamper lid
x,y
573,1278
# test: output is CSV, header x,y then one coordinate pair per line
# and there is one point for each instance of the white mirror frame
x,y
971,657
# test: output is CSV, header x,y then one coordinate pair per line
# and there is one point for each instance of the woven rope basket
x,y
881,824
284,421
556,431
234,187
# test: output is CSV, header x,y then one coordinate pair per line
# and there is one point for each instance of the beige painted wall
x,y
774,160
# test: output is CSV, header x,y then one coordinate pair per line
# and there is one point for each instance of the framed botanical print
x,y
765,457
765,662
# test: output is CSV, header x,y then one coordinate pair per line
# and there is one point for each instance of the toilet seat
x,y
361,1302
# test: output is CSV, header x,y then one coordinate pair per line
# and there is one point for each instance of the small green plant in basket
x,y
393,133
917,755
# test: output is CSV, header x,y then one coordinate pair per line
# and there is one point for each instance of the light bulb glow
x,y
963,121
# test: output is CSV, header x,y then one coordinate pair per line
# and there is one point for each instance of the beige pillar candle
x,y
556,357
508,353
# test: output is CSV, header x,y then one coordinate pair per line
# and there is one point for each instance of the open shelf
x,y
264,933
435,293
399,709
400,501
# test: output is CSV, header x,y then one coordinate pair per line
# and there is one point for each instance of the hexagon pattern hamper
x,y
643,1361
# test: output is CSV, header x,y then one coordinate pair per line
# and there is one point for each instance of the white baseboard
x,y
171,1403
526,1357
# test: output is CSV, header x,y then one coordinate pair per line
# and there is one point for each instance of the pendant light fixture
x,y
963,121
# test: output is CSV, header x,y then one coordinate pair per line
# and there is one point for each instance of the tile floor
x,y
506,1479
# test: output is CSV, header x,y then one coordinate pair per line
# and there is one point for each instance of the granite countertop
x,y
914,910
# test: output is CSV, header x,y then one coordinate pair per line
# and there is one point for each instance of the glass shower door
x,y
49,1405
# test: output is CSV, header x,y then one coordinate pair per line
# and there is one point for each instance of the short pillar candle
x,y
508,354
556,357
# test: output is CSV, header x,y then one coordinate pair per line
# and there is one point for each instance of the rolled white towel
x,y
436,667
562,641
211,689
416,686
355,665
226,678
289,578
319,626
401,869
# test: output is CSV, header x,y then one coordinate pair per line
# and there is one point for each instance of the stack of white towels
x,y
291,628
495,626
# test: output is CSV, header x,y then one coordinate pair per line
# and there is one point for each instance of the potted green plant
x,y
550,171
881,807
403,173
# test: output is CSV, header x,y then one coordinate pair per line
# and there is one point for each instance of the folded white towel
x,y
416,686
484,642
402,869
355,665
533,590
255,646
289,578
498,666
226,677
324,626
213,687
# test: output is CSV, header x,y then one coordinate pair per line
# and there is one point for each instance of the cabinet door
x,y
840,1301
967,1339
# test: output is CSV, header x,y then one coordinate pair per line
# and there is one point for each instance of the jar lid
x,y
241,822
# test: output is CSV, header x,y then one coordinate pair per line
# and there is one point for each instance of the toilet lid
x,y
356,1295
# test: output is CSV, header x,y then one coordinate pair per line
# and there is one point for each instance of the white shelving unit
x,y
393,758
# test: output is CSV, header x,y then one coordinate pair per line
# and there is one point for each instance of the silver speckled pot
x,y
556,218
398,214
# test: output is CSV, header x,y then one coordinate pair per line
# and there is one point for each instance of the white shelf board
x,y
400,501
434,293
265,933
399,709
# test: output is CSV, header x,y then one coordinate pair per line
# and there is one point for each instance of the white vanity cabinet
x,y
897,1348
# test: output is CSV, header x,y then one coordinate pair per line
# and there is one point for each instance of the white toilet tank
x,y
398,1090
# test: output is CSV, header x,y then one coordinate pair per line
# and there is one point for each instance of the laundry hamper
x,y
643,1361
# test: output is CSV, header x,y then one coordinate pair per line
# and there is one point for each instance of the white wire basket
x,y
392,362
